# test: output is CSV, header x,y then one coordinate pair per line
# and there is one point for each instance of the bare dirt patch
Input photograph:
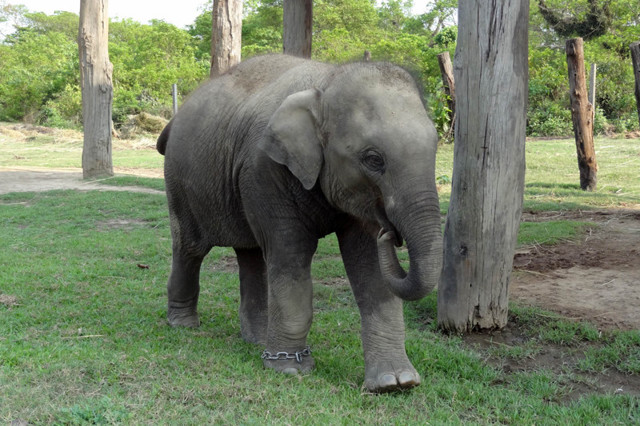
x,y
8,300
596,278
18,179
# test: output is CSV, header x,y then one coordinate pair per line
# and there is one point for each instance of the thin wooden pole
x,y
174,95
592,89
635,58
582,115
449,86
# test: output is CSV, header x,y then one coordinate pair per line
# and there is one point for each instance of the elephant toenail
x,y
407,378
387,381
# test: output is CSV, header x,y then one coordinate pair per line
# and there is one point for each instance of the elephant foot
x,y
300,362
389,376
183,318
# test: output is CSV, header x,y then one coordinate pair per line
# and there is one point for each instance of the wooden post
x,y
635,58
174,96
297,22
448,83
592,89
226,35
582,115
97,88
491,74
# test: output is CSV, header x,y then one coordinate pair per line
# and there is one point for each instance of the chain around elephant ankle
x,y
283,356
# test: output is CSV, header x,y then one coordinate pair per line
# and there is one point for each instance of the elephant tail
x,y
161,145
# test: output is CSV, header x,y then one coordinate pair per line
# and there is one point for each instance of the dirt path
x,y
596,278
17,179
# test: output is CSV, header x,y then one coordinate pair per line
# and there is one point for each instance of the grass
x,y
83,335
553,180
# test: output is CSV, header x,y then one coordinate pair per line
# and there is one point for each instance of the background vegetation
x,y
39,73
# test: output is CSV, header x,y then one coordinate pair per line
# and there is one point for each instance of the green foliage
x,y
39,79
548,113
36,66
39,73
147,60
262,28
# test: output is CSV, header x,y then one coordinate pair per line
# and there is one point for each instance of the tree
x,y
596,21
297,21
490,69
226,36
97,88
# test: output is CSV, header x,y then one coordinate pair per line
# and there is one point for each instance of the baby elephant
x,y
281,151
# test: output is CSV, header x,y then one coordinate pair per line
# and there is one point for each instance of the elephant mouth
x,y
386,225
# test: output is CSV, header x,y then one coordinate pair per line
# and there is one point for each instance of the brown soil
x,y
596,278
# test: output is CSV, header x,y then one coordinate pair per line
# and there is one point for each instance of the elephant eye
x,y
373,161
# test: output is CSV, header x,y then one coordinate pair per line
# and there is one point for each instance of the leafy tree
x,y
36,66
262,27
588,20
147,60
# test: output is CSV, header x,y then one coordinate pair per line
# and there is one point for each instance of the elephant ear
x,y
292,136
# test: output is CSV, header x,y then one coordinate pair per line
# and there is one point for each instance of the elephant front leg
x,y
387,367
290,309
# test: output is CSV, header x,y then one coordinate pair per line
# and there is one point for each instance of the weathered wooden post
x,y
448,83
592,89
226,35
174,96
97,88
581,114
296,30
491,74
635,58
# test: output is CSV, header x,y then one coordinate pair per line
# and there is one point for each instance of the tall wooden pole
x,y
582,115
97,88
491,74
448,83
635,58
226,35
297,22
592,89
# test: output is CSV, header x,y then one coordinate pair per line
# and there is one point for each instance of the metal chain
x,y
283,356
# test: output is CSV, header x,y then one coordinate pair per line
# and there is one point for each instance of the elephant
x,y
279,152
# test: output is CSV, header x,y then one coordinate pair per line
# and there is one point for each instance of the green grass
x,y
83,335
83,338
550,232
152,183
552,179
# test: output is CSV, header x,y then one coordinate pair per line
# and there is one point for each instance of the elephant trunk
x,y
417,219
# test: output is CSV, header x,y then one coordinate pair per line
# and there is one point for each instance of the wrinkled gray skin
x,y
282,151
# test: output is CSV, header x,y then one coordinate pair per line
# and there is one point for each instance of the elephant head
x,y
364,136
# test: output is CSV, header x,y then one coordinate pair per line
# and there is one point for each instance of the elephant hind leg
x,y
183,289
253,295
